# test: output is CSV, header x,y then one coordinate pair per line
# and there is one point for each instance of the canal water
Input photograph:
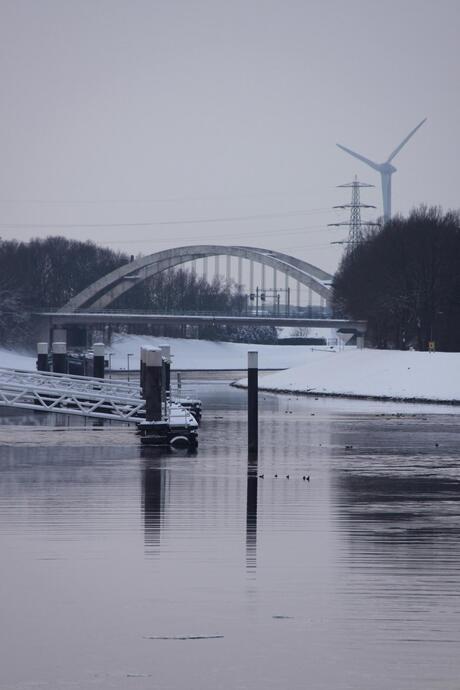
x,y
124,567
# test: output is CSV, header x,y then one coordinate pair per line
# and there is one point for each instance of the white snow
x,y
349,372
17,360
373,373
206,354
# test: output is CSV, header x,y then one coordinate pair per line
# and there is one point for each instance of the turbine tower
x,y
385,169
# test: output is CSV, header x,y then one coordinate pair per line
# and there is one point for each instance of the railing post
x,y
98,360
153,372
60,358
253,402
42,357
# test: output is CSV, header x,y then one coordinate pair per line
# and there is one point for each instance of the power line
x,y
185,221
262,233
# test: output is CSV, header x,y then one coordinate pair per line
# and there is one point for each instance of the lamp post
x,y
128,355
110,364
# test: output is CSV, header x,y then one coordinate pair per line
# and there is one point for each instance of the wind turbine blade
x,y
359,157
404,141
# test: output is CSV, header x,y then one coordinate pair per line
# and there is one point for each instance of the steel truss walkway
x,y
82,396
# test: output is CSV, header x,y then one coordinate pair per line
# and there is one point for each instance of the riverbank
x,y
372,374
208,355
187,354
302,370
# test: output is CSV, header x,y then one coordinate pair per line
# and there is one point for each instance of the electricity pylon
x,y
355,224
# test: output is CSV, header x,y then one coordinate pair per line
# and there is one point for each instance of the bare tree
x,y
404,280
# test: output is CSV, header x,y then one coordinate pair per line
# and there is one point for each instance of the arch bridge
x,y
303,275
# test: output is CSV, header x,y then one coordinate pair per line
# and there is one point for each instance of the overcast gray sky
x,y
141,111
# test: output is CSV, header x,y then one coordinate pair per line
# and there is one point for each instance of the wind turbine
x,y
385,169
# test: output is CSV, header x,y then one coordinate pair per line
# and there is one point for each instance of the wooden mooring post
x,y
253,403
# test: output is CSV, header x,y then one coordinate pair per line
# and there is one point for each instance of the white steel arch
x,y
108,288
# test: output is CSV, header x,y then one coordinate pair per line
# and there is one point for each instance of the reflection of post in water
x,y
153,481
251,514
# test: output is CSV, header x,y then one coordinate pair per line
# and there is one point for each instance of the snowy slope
x,y
374,373
187,354
206,354
17,360
351,372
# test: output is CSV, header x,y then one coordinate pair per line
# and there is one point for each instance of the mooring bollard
x,y
59,358
253,402
166,353
153,375
165,375
98,360
42,357
142,371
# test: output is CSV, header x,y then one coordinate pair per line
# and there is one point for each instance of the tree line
x,y
404,279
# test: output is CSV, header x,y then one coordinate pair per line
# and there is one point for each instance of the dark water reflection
x,y
351,580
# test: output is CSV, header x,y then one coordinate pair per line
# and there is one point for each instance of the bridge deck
x,y
101,317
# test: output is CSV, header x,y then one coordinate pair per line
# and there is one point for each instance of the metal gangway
x,y
83,396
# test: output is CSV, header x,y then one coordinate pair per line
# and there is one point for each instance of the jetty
x,y
160,418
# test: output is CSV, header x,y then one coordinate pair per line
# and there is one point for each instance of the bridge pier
x,y
240,270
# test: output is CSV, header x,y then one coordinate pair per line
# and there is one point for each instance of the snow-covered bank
x,y
207,354
380,374
17,360
383,374
186,354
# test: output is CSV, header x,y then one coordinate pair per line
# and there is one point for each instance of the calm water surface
x,y
124,567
